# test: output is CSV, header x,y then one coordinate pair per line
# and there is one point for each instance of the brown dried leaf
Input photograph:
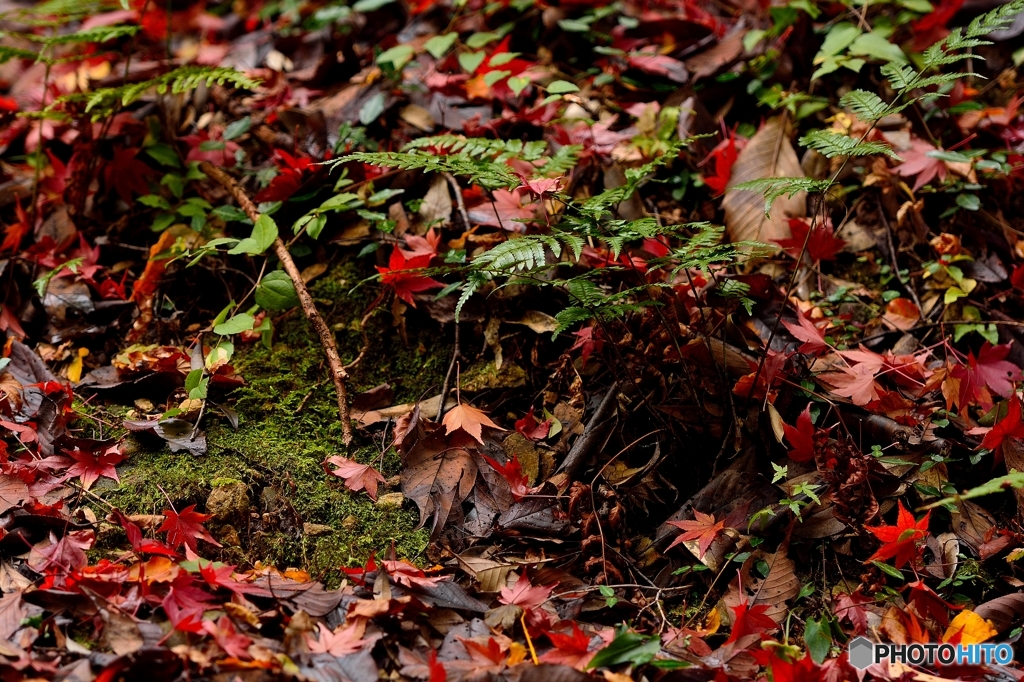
x,y
780,585
769,154
436,477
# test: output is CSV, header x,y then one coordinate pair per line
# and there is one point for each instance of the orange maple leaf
x,y
469,419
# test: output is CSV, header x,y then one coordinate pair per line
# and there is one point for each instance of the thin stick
x,y
448,377
338,373
459,201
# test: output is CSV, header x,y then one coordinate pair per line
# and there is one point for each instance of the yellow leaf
x,y
516,654
972,628
712,622
75,368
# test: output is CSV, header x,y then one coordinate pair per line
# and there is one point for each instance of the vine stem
x,y
337,369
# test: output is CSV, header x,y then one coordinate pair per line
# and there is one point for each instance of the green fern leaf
x,y
831,143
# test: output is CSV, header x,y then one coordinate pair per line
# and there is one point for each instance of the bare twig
x,y
448,377
338,373
459,201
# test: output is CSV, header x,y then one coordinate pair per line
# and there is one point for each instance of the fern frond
x,y
99,35
831,143
9,53
488,174
773,188
103,101
866,105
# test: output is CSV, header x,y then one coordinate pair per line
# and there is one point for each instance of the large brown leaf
x,y
1002,611
779,586
768,154
436,476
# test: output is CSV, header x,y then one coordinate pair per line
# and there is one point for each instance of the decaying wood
x,y
337,369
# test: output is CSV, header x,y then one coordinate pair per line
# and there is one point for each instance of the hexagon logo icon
x,y
862,652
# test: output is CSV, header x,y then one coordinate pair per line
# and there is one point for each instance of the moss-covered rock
x,y
266,481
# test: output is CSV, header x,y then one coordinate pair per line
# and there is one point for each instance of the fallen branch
x,y
338,373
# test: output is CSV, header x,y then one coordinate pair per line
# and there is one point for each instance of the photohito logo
x,y
863,652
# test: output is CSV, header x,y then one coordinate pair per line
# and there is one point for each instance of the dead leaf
x,y
436,477
780,585
768,154
437,204
471,420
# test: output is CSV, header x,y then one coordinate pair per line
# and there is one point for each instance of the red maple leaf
x,y
509,210
572,648
512,471
185,528
185,605
340,642
929,604
916,161
813,338
234,644
1009,426
704,529
357,476
524,594
13,234
747,620
139,544
529,427
992,369
801,437
900,541
127,174
821,245
851,607
856,383
587,342
89,465
402,275
721,158
289,178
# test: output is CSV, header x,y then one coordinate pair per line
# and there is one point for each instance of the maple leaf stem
x,y
338,373
529,640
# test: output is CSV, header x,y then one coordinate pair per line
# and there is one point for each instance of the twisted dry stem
x,y
337,369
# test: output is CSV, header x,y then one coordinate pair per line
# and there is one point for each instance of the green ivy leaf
x,y
438,46
276,292
241,322
562,87
264,232
471,61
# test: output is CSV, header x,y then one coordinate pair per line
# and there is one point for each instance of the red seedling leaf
x,y
813,338
801,437
917,162
340,642
1009,426
993,370
185,528
900,541
403,275
471,420
821,245
902,313
357,476
524,594
529,427
512,471
748,620
704,529
89,465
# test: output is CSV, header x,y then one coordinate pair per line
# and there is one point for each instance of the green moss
x,y
288,426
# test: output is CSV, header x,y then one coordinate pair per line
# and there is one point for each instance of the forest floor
x,y
521,340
